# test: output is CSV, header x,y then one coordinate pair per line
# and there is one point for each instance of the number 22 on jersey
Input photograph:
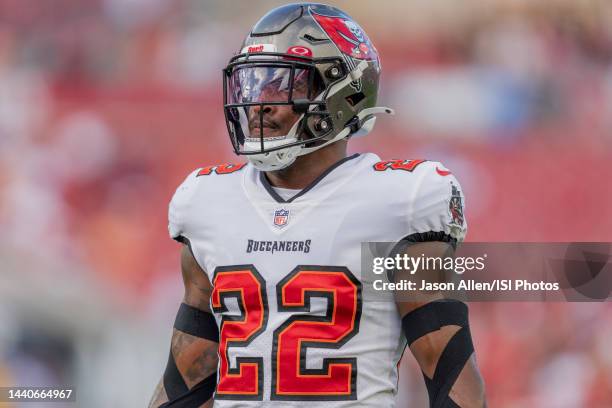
x,y
291,380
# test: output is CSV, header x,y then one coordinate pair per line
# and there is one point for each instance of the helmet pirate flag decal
x,y
348,36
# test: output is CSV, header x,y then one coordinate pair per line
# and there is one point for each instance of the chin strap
x,y
367,119
367,124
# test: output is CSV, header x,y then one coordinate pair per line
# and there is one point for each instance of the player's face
x,y
269,85
277,120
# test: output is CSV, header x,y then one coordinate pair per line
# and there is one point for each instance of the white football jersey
x,y
295,330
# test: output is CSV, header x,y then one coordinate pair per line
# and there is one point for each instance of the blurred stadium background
x,y
106,105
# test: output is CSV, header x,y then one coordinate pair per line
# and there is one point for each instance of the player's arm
x,y
190,375
438,330
439,338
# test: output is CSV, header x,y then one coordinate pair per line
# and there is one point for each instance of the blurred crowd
x,y
105,105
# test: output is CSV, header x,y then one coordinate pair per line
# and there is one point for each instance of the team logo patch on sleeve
x,y
281,217
455,206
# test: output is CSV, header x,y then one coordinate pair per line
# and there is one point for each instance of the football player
x,y
274,312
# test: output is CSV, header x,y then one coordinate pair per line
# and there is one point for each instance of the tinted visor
x,y
263,84
267,103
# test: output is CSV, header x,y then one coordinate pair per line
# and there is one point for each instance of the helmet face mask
x,y
257,84
280,105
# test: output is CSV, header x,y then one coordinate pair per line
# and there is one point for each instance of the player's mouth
x,y
269,127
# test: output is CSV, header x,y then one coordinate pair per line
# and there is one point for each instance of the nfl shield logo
x,y
281,217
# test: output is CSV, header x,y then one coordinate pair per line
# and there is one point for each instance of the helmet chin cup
x,y
274,160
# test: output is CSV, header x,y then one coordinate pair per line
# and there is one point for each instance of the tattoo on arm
x,y
468,390
196,358
198,288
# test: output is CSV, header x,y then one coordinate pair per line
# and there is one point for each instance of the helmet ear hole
x,y
355,98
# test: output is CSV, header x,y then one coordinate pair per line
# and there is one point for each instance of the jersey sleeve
x,y
437,207
180,205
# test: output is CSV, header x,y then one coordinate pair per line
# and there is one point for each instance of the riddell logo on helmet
x,y
255,48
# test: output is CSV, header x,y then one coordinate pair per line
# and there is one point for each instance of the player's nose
x,y
267,109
